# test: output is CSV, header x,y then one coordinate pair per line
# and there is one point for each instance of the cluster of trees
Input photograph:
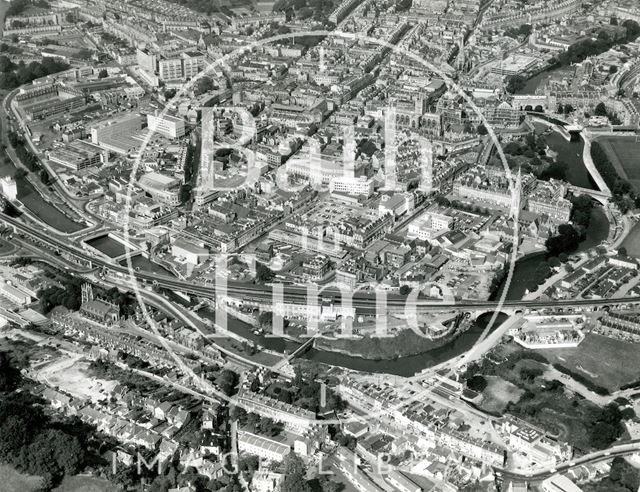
x,y
477,383
190,172
13,75
488,368
605,40
566,241
554,170
516,83
305,391
25,155
263,273
623,195
516,32
17,7
402,344
263,425
7,48
607,426
623,477
318,10
581,207
295,473
29,441
227,381
533,147
70,296
585,381
601,110
107,370
204,84
565,109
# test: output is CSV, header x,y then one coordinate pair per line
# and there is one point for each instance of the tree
x,y
565,241
20,174
477,383
554,262
516,83
103,74
405,290
204,84
9,375
263,273
227,381
600,110
482,130
622,251
294,474
328,485
70,17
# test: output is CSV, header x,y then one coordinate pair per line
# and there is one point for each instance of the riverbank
x,y
405,343
400,366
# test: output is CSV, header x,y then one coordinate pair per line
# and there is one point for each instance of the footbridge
x,y
296,353
602,196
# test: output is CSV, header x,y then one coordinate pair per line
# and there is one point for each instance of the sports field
x,y
624,153
632,241
14,481
605,361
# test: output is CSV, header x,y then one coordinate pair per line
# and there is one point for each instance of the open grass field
x,y
71,375
12,481
498,394
606,361
632,241
624,153
84,484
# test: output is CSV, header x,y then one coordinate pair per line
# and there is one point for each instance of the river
x,y
571,153
577,174
402,366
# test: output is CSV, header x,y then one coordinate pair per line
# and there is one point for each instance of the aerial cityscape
x,y
320,245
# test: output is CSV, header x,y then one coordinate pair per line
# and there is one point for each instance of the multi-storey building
x,y
166,125
78,155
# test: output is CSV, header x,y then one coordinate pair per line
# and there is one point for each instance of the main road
x,y
364,301
622,449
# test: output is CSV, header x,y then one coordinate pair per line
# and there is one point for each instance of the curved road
x,y
629,447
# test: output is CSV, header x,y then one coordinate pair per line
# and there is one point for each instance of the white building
x,y
9,188
167,126
14,294
559,483
127,124
189,252
262,446
163,189
351,185
430,223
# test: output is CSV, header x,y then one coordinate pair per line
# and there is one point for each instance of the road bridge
x,y
602,196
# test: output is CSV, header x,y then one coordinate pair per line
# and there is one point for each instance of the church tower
x,y
461,58
86,293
